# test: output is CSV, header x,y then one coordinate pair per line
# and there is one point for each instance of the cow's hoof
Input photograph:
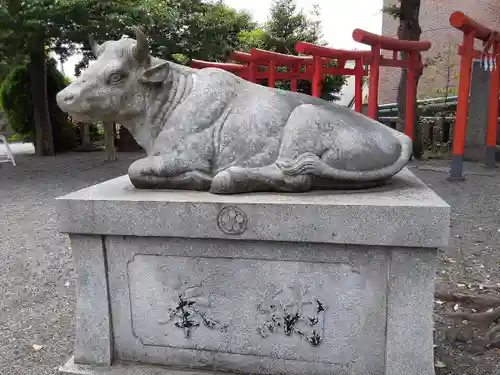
x,y
222,183
141,167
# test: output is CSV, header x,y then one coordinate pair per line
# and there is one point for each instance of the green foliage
x,y
286,26
5,67
393,10
16,137
63,24
15,98
31,28
16,102
196,29
255,38
178,30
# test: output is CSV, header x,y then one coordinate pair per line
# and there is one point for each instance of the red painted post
x,y
491,138
317,76
230,67
271,67
459,131
252,74
358,86
411,94
374,81
293,80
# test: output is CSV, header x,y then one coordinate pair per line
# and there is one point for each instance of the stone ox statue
x,y
211,130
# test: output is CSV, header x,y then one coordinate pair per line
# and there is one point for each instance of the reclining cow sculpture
x,y
211,130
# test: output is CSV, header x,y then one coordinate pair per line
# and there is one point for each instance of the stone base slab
x,y
403,213
71,368
481,153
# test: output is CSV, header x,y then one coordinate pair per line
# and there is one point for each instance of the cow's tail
x,y
309,163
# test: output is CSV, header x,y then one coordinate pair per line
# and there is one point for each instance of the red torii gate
x,y
491,38
239,70
413,63
310,67
251,72
321,54
259,58
250,64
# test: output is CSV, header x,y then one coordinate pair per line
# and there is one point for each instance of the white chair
x,y
10,157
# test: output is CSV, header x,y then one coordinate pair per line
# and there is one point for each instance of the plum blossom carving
x,y
232,220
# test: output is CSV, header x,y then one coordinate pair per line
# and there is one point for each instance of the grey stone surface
x,y
477,121
410,302
238,282
406,213
72,368
93,321
211,130
491,156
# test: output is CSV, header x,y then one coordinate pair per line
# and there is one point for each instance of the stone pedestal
x,y
321,283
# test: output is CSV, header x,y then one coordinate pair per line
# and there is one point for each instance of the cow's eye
x,y
115,78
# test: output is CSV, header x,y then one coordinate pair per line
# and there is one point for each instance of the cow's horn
x,y
94,46
141,49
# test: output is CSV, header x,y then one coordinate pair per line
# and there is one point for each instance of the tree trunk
x,y
85,136
44,141
127,142
109,140
409,29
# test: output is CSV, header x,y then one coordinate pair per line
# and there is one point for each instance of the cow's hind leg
x,y
301,135
269,178
312,155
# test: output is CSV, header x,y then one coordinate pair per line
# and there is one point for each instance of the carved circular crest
x,y
232,220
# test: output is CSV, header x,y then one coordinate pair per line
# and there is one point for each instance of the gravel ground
x,y
470,262
37,281
36,271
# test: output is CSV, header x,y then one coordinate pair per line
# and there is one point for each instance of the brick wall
x,y
434,21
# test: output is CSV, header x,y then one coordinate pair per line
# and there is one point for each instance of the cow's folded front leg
x,y
193,153
144,175
171,165
187,181
168,165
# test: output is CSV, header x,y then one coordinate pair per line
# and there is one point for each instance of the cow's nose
x,y
68,98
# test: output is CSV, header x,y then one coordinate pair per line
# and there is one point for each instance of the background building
x,y
434,21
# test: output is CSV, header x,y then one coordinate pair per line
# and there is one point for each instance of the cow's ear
x,y
156,74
